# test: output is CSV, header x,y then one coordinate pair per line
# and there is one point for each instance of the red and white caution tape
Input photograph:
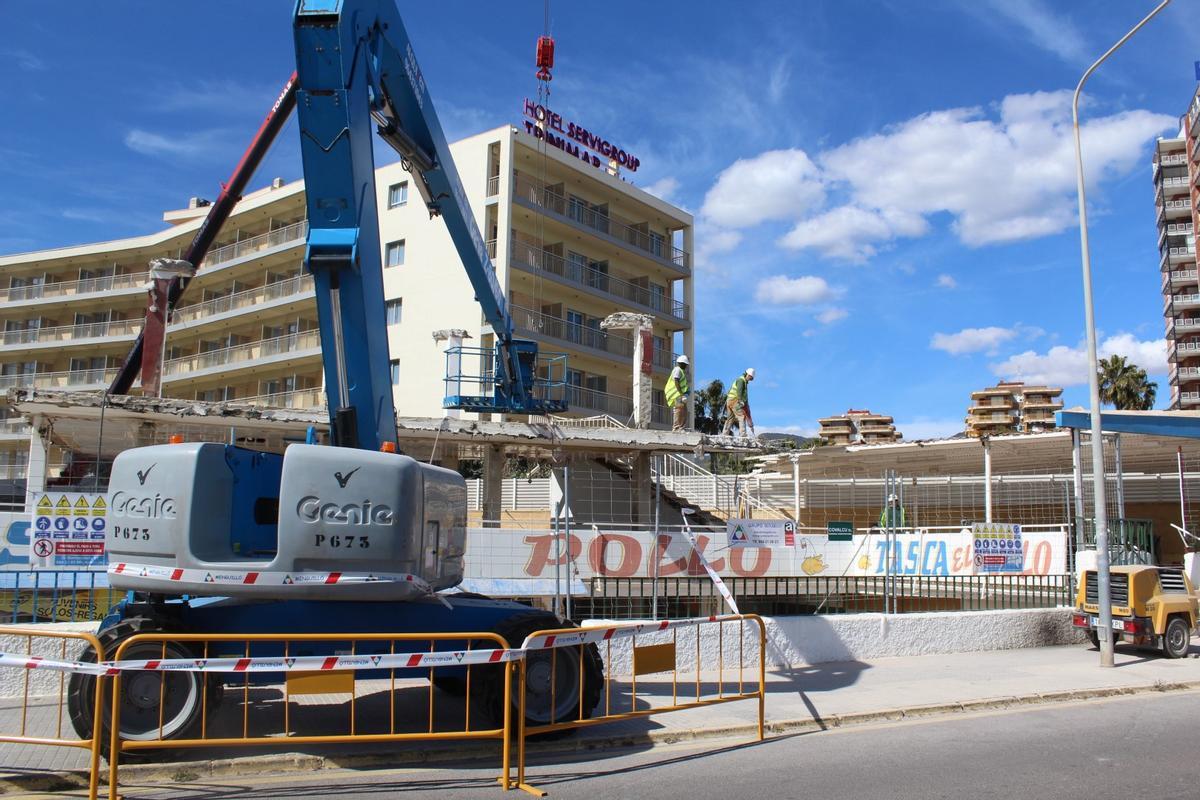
x,y
712,573
233,578
438,658
579,636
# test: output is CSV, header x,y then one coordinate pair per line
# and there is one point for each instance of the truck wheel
x,y
1094,638
1176,638
142,693
543,667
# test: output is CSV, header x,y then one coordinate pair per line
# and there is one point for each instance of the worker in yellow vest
x,y
737,406
676,393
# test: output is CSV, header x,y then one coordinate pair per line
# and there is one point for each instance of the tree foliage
x,y
710,407
1126,386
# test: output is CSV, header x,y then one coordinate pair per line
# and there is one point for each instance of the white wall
x,y
797,641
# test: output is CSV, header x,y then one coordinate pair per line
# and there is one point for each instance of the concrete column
x,y
643,490
35,472
1077,475
987,479
689,333
796,489
493,485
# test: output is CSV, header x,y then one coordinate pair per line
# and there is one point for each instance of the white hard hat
x,y
683,360
892,498
750,372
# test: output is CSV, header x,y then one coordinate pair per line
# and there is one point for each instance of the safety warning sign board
x,y
67,530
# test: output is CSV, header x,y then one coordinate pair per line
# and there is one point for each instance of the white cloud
x,y
1001,175
775,185
778,83
831,315
1047,30
849,232
26,61
780,290
945,281
713,241
663,188
972,340
188,145
1067,366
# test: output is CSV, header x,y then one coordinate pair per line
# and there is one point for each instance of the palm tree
x,y
710,407
1125,385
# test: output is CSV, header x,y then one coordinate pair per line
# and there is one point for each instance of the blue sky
x,y
884,191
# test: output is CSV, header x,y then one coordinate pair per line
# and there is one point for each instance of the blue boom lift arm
x,y
357,75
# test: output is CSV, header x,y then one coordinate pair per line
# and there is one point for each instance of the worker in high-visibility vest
x,y
892,515
737,406
676,393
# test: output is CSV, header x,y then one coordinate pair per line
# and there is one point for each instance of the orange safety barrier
x,y
38,680
659,657
363,725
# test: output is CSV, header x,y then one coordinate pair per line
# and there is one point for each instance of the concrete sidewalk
x,y
825,695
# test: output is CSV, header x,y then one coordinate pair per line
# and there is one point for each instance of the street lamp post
x,y
1104,599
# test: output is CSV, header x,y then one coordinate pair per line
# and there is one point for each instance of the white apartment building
x,y
571,244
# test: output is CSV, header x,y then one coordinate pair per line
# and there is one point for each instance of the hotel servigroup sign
x,y
576,140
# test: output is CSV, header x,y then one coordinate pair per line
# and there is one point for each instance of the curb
x,y
184,772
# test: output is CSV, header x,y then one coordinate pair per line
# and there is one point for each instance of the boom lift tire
x,y
456,685
562,662
180,692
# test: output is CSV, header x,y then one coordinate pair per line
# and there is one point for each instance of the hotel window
x,y
395,254
394,311
398,194
395,372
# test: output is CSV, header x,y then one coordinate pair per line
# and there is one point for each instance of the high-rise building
x,y
1175,171
571,244
1012,407
859,426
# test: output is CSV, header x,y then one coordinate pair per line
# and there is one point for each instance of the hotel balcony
x,y
1181,255
1188,399
1181,325
619,407
531,259
73,380
1181,302
1178,279
1173,160
618,348
106,287
1176,186
300,398
1187,373
1177,351
123,330
298,289
1175,209
280,350
631,236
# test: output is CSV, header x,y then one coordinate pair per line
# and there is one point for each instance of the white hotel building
x,y
571,244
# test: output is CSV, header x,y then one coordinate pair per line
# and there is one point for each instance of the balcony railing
x,y
14,425
529,190
67,333
251,351
296,285
1188,373
1184,324
533,258
298,398
109,283
75,379
1171,160
1179,228
1182,251
594,338
493,186
289,234
1180,182
1189,397
1184,299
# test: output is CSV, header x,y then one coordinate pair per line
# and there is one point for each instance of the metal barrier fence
x,y
274,651
659,653
55,596
632,598
45,692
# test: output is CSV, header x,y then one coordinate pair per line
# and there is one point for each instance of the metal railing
x,y
493,186
73,379
534,258
46,595
297,398
290,234
44,694
692,482
293,286
631,598
64,333
558,328
676,653
105,284
634,234
251,351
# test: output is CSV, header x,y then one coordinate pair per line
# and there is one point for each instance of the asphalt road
x,y
1133,747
